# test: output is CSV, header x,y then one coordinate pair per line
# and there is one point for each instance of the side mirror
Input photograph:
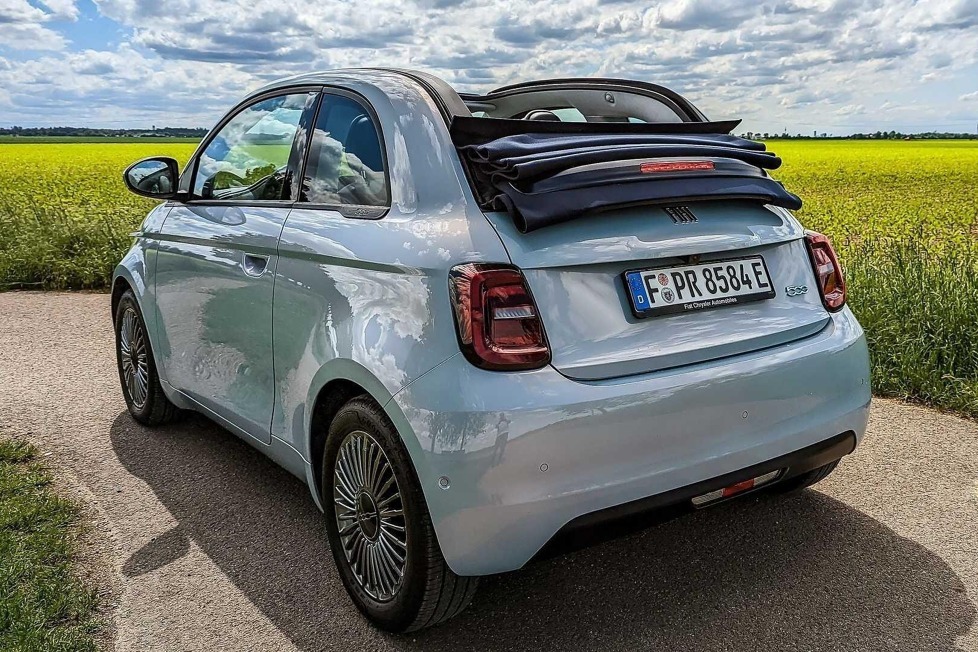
x,y
155,177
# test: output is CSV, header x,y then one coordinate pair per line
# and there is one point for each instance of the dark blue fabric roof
x,y
523,144
533,166
543,179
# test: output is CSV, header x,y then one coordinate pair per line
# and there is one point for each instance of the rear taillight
x,y
828,271
498,323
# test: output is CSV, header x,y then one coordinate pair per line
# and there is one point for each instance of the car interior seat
x,y
362,142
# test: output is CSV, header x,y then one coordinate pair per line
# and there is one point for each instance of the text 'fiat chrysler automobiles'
x,y
482,327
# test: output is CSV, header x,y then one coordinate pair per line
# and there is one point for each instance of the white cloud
x,y
969,97
778,61
119,88
19,11
21,24
851,109
61,9
29,36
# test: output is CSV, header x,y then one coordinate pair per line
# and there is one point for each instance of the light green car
x,y
473,359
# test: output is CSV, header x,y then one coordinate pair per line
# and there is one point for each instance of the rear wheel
x,y
804,480
379,528
137,370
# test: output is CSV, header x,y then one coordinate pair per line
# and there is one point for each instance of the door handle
x,y
254,265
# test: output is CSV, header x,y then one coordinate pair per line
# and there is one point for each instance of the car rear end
x,y
603,409
647,356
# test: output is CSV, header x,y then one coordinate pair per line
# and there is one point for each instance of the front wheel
x,y
137,369
379,528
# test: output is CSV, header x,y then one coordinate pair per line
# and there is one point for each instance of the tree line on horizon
x,y
877,135
200,132
155,132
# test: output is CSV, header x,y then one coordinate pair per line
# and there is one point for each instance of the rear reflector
x,y
676,166
735,489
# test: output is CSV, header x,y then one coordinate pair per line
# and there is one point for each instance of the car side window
x,y
248,158
346,157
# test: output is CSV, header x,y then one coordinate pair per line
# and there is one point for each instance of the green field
x,y
904,215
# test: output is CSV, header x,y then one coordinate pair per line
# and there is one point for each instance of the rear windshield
x,y
577,105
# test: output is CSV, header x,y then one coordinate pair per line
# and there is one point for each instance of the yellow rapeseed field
x,y
854,189
65,214
904,215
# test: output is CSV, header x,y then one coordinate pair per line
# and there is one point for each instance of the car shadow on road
x,y
802,572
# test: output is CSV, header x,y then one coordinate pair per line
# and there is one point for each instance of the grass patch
x,y
918,302
43,606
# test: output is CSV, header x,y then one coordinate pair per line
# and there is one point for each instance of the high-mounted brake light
x,y
828,271
676,166
497,321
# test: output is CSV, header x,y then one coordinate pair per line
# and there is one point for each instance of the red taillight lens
x,y
828,271
498,324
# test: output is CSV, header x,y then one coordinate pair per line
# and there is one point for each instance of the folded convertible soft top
x,y
467,130
557,174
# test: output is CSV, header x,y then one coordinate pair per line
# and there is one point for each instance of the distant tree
x,y
178,132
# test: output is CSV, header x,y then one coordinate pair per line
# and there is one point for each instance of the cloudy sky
x,y
829,65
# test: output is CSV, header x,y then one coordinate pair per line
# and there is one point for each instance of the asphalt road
x,y
212,547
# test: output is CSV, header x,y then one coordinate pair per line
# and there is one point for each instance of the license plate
x,y
668,290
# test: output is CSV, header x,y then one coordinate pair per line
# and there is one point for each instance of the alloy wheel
x,y
133,358
370,516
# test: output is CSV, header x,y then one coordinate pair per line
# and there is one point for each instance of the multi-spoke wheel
x,y
379,528
369,515
137,371
132,357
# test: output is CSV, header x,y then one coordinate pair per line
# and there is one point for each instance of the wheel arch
x,y
130,274
123,279
331,398
119,286
338,381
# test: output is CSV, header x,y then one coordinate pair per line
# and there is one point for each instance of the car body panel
x,y
336,300
647,234
214,335
138,268
373,293
367,301
575,273
527,453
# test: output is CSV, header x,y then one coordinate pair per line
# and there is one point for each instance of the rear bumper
x,y
615,521
528,454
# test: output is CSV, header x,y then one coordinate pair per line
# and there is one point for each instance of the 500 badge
x,y
796,290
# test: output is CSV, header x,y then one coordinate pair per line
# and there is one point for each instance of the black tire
x,y
804,480
151,407
428,592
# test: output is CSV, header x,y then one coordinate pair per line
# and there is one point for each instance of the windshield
x,y
576,105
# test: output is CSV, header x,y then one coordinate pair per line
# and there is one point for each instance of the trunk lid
x,y
575,272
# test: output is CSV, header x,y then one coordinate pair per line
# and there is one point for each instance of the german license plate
x,y
668,290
